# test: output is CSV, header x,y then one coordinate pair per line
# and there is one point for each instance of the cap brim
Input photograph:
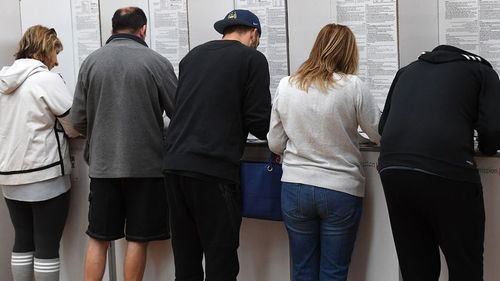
x,y
222,24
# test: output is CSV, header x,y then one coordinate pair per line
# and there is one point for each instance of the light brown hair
x,y
38,42
334,51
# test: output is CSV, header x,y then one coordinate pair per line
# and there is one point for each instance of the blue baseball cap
x,y
238,17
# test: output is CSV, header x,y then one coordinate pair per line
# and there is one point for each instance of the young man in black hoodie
x,y
431,182
223,94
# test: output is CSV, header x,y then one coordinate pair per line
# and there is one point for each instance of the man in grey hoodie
x,y
122,91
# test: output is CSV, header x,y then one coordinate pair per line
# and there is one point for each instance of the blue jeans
x,y
322,226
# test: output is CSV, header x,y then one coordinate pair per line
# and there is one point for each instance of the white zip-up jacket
x,y
33,104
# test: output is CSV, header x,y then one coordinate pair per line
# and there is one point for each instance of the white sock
x,y
22,266
47,269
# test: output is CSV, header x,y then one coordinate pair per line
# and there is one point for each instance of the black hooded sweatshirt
x,y
432,109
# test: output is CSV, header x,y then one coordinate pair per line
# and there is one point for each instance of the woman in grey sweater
x,y
314,125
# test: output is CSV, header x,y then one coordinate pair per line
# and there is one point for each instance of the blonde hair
x,y
334,51
38,42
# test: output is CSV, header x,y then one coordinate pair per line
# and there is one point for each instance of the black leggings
x,y
39,225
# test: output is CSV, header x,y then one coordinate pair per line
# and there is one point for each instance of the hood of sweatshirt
x,y
11,77
446,53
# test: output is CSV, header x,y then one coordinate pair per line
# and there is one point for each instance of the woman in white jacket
x,y
34,154
314,125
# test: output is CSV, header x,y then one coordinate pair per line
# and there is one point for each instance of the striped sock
x,y
47,269
22,266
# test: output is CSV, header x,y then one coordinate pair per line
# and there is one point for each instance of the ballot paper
x,y
472,25
86,29
374,23
274,40
169,29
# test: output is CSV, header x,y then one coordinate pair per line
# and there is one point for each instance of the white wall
x,y
418,28
491,192
374,257
305,19
10,21
74,240
202,15
53,14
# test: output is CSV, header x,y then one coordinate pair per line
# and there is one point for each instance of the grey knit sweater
x,y
122,91
317,133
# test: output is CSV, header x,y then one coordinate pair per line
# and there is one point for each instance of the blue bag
x,y
261,189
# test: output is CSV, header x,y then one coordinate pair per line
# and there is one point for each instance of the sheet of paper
x,y
374,23
169,29
86,29
274,41
472,25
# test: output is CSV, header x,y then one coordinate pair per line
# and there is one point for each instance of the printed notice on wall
x,y
86,29
472,25
169,29
273,42
374,23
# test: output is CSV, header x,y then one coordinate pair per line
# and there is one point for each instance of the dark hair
x,y
129,19
237,28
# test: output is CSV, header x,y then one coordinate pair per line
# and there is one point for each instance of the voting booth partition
x,y
11,20
390,35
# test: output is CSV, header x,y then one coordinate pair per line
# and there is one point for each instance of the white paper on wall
x,y
374,23
472,25
169,29
274,41
86,29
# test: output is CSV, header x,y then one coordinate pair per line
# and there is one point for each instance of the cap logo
x,y
232,15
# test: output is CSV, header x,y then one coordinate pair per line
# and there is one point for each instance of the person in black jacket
x,y
222,95
431,182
